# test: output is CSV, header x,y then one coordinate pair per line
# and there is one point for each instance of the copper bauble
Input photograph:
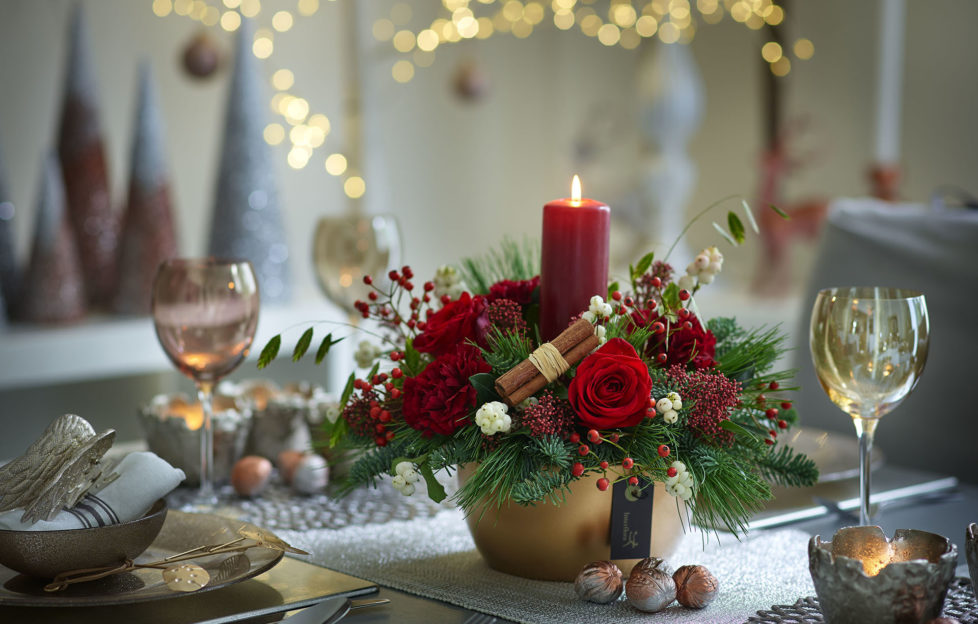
x,y
250,475
696,586
599,582
201,57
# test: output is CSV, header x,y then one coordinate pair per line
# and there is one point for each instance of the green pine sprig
x,y
508,261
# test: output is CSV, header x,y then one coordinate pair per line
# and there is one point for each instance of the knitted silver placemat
x,y
435,557
959,604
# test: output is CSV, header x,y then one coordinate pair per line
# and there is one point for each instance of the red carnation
x,y
611,388
519,291
438,400
694,346
461,320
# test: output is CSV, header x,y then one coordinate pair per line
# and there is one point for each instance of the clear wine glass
x,y
869,346
205,312
347,247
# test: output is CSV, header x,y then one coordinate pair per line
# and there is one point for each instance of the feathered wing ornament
x,y
57,470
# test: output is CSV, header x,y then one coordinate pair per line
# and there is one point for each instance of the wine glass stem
x,y
206,396
866,429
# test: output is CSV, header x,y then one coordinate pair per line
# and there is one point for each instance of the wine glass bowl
x,y
205,312
869,346
347,247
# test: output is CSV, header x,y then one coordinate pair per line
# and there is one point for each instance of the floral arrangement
x,y
654,392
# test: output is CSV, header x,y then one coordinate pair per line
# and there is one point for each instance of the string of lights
x,y
624,23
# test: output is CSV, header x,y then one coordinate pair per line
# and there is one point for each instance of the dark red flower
x,y
439,399
695,346
460,320
611,388
519,291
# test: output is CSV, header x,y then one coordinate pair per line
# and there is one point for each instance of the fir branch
x,y
509,261
506,350
785,466
751,354
728,493
548,485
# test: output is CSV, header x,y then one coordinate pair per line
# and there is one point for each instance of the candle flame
x,y
576,188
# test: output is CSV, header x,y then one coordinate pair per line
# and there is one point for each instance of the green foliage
x,y
506,350
509,261
302,345
485,388
728,493
750,354
736,227
325,346
641,267
784,466
270,351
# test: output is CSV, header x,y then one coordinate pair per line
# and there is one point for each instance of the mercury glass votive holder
x,y
861,576
172,425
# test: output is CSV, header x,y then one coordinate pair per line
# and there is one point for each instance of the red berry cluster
x,y
375,405
549,416
384,306
507,315
771,414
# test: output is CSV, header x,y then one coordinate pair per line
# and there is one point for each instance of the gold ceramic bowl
x,y
45,554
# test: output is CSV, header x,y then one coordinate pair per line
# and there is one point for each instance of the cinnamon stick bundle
x,y
525,379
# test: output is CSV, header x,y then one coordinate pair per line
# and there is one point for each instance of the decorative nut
x,y
186,577
599,582
696,586
650,588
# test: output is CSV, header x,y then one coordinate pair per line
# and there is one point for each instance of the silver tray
x,y
181,532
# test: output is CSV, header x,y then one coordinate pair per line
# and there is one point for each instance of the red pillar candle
x,y
574,260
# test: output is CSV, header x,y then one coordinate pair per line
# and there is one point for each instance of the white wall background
x,y
461,175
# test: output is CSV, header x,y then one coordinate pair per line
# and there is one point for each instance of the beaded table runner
x,y
959,604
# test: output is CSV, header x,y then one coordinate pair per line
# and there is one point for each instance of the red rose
x,y
521,292
695,346
461,320
438,400
611,388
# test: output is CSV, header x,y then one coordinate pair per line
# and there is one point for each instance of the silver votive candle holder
x,y
172,425
861,576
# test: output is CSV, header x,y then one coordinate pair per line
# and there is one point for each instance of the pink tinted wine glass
x,y
205,312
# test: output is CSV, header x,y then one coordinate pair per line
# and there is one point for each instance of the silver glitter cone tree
x,y
246,222
52,290
82,154
148,235
8,256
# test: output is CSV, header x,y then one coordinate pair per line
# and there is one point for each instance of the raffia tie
x,y
549,362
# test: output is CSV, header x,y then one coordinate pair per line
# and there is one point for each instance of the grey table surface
x,y
945,514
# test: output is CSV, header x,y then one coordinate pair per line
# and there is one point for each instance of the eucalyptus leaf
x,y
485,388
750,216
348,389
270,351
643,265
724,234
325,346
302,345
436,491
736,227
782,213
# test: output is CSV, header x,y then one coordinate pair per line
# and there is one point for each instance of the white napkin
x,y
143,479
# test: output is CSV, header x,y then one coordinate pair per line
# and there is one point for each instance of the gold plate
x,y
181,532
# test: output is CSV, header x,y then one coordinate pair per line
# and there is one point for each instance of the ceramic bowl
x,y
44,554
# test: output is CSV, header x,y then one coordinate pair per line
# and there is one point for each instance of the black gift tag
x,y
631,520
